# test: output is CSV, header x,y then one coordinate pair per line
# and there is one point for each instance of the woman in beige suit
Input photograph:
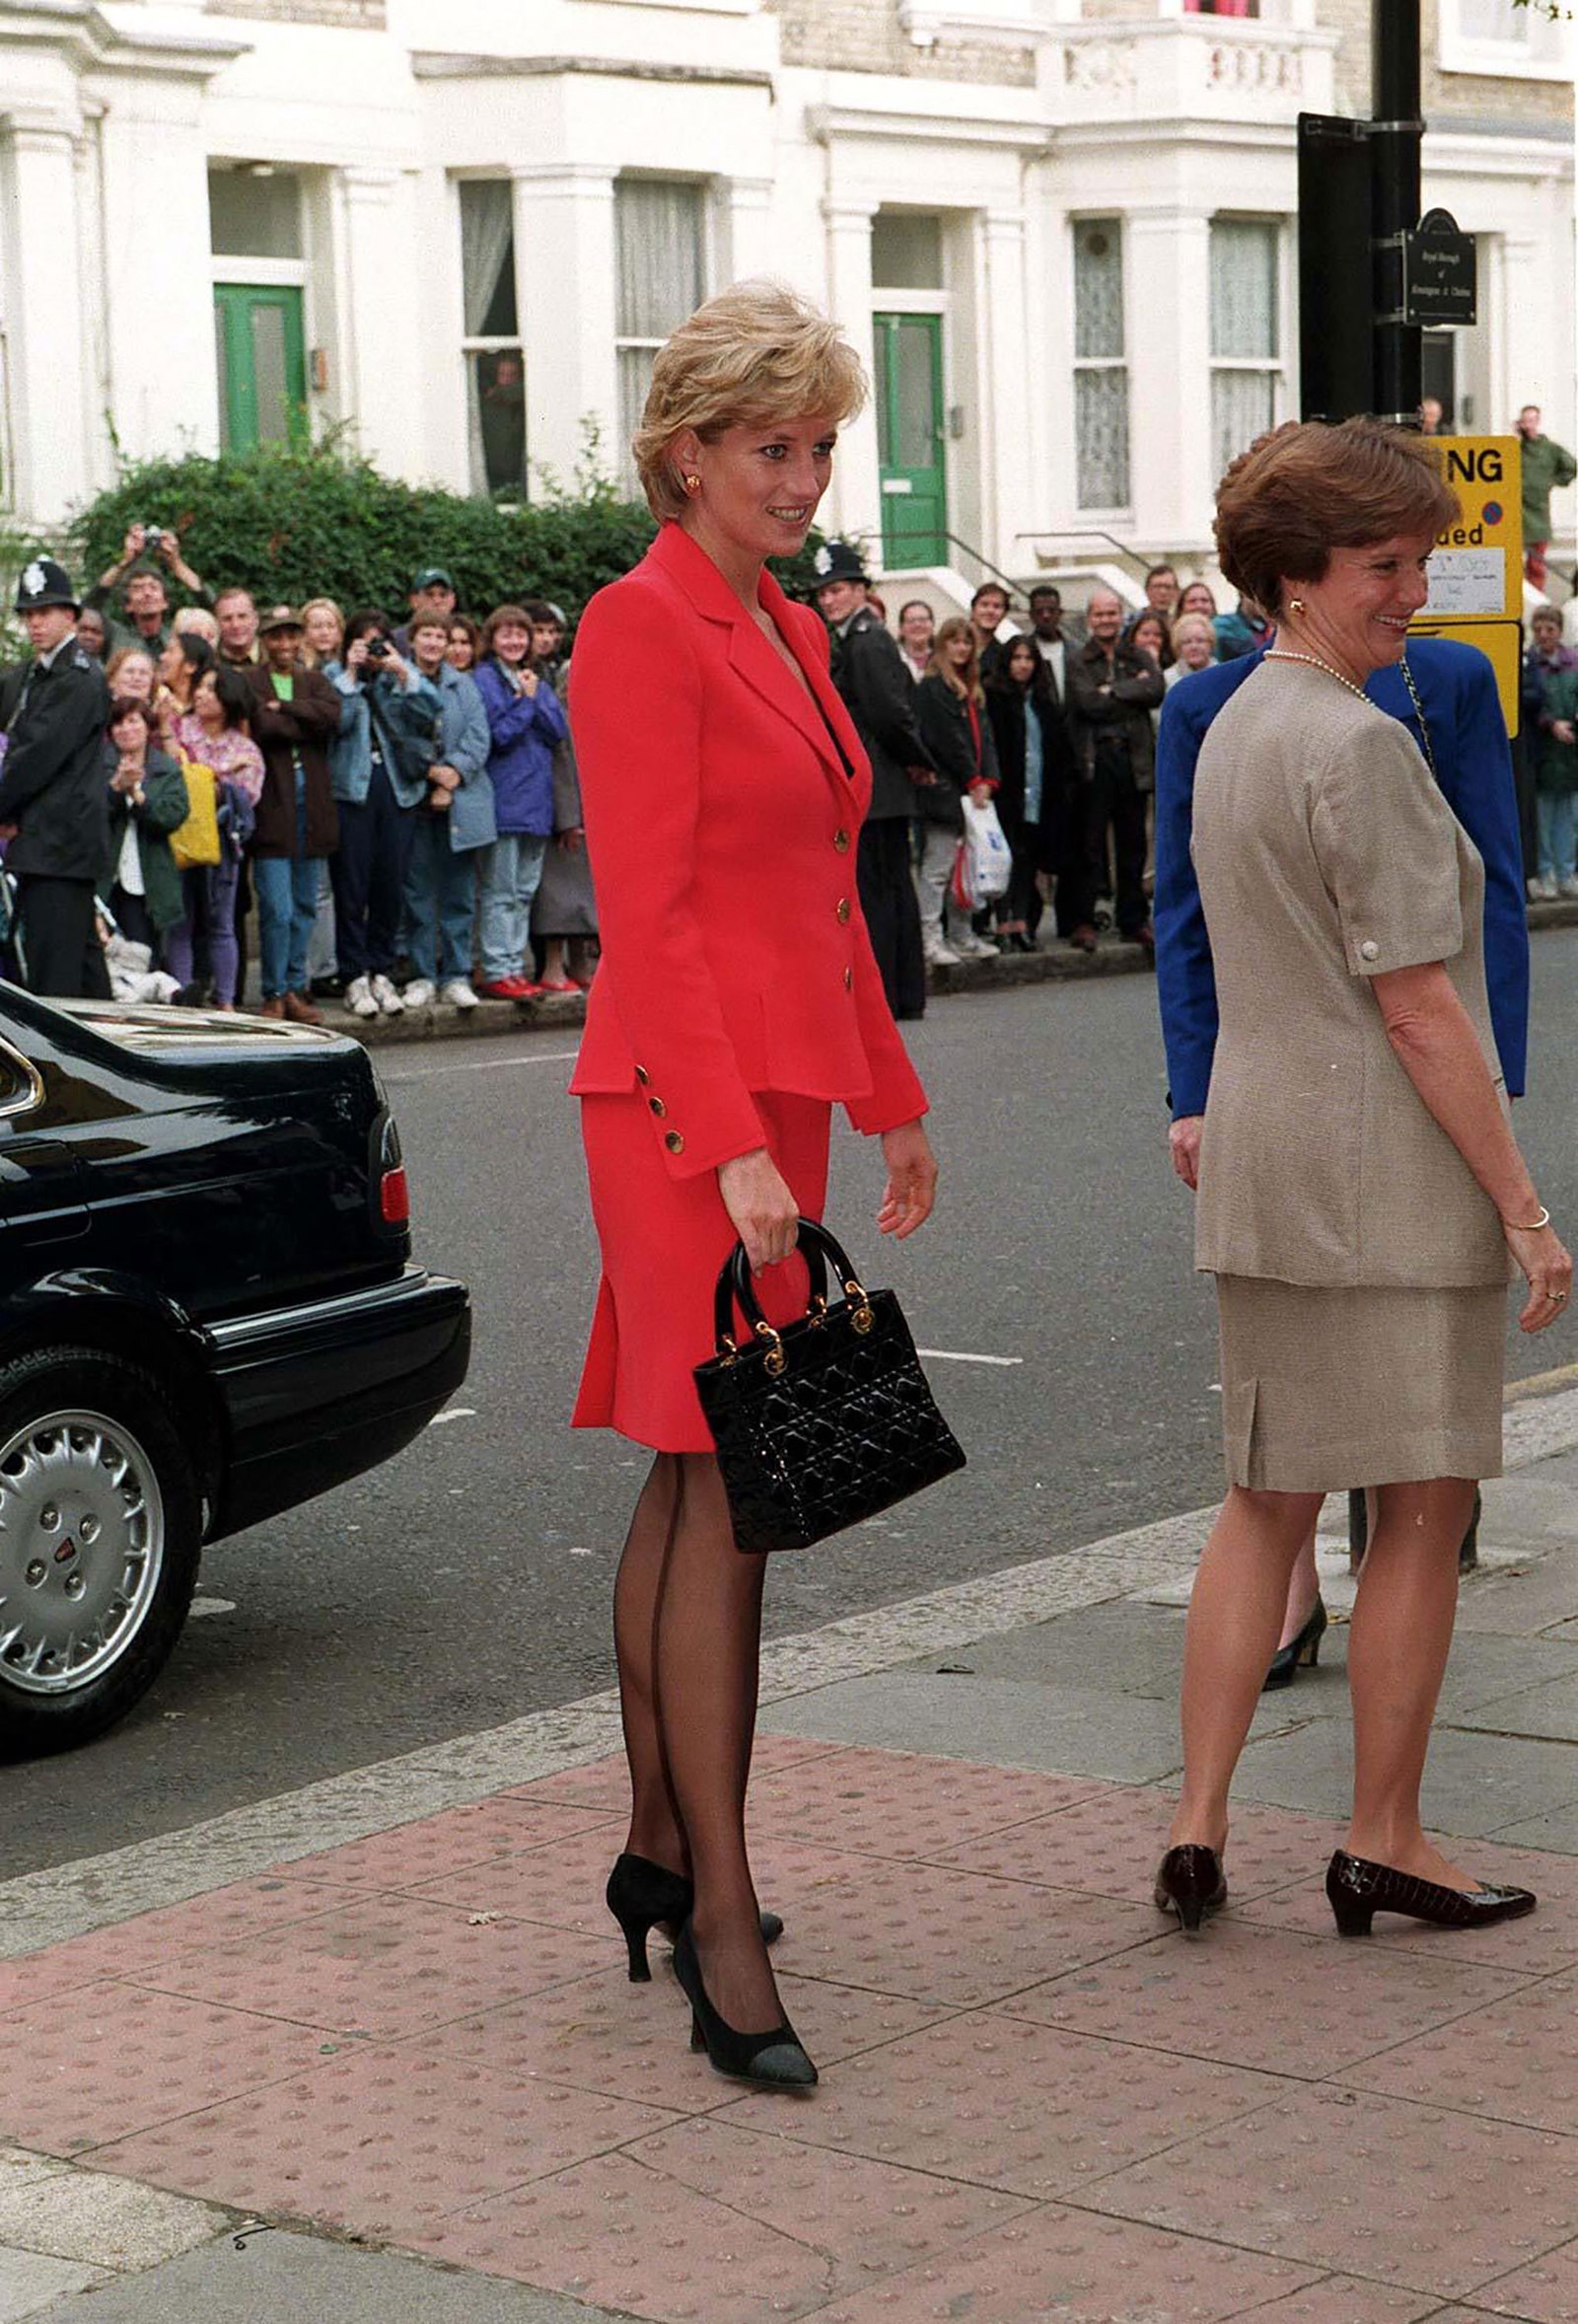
x,y
1360,1187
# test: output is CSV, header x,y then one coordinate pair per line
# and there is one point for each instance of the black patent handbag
x,y
826,1422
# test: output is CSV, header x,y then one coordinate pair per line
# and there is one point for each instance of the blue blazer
x,y
1474,764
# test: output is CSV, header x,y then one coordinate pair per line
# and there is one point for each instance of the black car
x,y
208,1313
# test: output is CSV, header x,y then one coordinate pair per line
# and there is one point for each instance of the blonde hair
x,y
758,354
965,682
1185,625
320,605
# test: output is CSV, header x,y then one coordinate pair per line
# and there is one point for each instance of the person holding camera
x,y
294,714
143,594
380,762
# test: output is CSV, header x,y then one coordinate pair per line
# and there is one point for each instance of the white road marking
x,y
552,1056
953,1355
456,1411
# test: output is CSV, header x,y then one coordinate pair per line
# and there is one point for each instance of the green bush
x,y
290,524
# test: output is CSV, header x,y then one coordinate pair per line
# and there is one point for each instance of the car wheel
x,y
100,1530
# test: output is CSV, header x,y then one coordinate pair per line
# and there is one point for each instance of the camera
x,y
152,535
378,649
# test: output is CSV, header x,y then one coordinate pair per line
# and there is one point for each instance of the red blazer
x,y
721,826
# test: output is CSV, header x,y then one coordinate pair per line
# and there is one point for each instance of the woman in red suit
x,y
737,1002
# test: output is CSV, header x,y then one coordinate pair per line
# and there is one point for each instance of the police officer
x,y
869,672
53,790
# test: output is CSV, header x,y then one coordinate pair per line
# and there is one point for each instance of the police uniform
x,y
52,787
870,674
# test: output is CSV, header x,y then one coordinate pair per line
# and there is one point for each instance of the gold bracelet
x,y
1532,1227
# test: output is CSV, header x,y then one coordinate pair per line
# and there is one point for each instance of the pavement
x,y
1056,963
369,2051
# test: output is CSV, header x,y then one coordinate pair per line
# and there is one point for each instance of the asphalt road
x,y
467,1581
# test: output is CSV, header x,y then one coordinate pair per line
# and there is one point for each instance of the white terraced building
x,y
1064,234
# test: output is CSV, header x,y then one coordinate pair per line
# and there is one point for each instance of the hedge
x,y
290,524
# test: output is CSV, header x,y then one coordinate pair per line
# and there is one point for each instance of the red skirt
x,y
662,1241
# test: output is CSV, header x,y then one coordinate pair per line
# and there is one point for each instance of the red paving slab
x,y
1036,2100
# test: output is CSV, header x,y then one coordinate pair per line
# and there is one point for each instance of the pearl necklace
x,y
1281,654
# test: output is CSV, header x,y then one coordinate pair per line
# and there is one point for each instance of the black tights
x,y
687,1635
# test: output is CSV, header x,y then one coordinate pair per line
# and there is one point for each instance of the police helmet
x,y
45,583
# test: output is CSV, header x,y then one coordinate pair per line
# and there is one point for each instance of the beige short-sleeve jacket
x,y
1325,855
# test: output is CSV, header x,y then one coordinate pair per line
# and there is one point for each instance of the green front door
x,y
262,365
911,439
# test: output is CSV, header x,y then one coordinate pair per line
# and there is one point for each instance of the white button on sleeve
x,y
1368,949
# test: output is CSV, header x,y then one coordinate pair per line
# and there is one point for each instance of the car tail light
x,y
395,1198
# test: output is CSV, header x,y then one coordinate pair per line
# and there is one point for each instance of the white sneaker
x,y
419,994
1544,887
1568,887
456,993
974,947
385,998
940,955
359,997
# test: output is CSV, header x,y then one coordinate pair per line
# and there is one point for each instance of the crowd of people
x,y
389,804
389,812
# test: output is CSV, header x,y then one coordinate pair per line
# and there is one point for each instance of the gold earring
x,y
1295,605
692,484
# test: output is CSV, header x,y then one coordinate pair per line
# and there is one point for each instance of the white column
x,y
749,253
380,333
163,386
565,295
1522,349
1007,433
43,317
1168,319
854,505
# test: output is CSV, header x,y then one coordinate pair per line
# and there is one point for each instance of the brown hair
x,y
133,706
759,354
967,681
1309,488
429,621
496,620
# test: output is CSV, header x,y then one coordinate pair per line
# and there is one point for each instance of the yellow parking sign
x,y
1476,570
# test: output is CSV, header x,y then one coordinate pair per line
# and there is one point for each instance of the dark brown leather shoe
x,y
301,1011
1190,1882
1358,1889
1083,938
272,1008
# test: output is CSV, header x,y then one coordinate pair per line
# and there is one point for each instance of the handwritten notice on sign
x,y
1468,581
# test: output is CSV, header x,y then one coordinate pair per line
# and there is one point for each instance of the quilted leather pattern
x,y
844,1431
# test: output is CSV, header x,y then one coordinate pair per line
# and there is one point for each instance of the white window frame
x,y
1272,367
1514,60
1077,223
476,487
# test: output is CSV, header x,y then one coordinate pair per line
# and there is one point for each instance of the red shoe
x,y
505,989
525,990
558,984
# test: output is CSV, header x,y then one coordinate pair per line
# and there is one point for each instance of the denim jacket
x,y
463,743
402,712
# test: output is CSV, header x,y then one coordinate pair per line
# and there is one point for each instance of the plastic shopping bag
x,y
195,841
983,865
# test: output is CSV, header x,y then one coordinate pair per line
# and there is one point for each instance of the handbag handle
x,y
736,1287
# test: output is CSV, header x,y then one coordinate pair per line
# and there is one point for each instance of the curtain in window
x,y
1098,288
1243,407
658,265
487,256
1101,427
1244,317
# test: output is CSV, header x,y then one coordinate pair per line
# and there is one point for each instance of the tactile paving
x,y
1541,1944
1253,1996
1546,2291
1517,2061
871,2218
476,1834
1009,2105
951,1937
1343,2300
385,2142
249,1906
384,1964
1111,1845
1068,2267
117,2058
603,2033
1393,2193
900,1805
621,2235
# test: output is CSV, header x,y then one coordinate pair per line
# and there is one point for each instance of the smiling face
x,y
760,485
838,600
1103,617
206,703
238,622
462,652
1357,616
324,630
988,610
512,642
916,627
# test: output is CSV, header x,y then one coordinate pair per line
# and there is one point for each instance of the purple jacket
x,y
526,731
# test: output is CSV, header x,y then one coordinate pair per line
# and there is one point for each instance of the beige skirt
x,y
1325,1390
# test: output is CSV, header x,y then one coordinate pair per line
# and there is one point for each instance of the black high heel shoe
x,y
1305,1649
1358,1889
643,1896
1190,1882
775,2060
